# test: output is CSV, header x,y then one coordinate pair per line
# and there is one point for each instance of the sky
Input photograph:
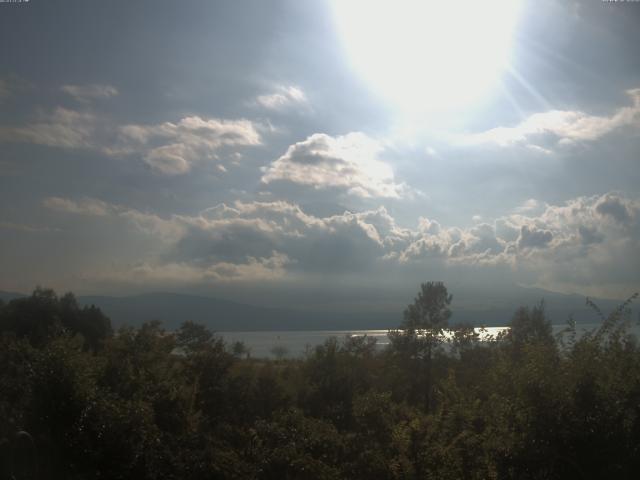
x,y
320,154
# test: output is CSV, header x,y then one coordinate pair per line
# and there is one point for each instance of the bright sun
x,y
424,55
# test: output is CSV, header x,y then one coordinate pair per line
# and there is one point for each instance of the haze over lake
x,y
293,344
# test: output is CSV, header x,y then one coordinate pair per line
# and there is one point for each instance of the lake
x,y
296,342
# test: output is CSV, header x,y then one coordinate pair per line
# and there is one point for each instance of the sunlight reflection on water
x,y
295,343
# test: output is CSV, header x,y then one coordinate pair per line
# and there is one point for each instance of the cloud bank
x,y
587,245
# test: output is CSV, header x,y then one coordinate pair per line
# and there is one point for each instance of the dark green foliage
x,y
420,338
192,337
43,315
530,326
334,374
145,403
430,309
295,446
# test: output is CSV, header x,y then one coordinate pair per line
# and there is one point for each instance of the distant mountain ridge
x,y
225,315
8,296
221,315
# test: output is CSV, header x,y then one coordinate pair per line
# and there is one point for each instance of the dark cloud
x,y
613,207
590,235
531,237
485,239
278,240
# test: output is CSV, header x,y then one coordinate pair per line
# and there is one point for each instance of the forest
x,y
81,401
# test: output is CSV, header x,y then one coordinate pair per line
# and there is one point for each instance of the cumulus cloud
x,y
346,242
530,205
589,245
169,148
531,237
594,249
85,206
86,93
172,148
589,235
614,207
556,128
167,230
61,128
251,270
284,97
246,234
346,163
585,245
169,159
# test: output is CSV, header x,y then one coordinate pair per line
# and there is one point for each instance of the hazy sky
x,y
307,152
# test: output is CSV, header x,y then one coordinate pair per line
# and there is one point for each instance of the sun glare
x,y
427,56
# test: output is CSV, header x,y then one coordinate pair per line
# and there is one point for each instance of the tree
x,y
240,349
430,309
422,331
44,315
193,337
279,352
530,326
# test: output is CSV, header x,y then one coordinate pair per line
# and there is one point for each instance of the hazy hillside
x,y
8,296
173,309
224,315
